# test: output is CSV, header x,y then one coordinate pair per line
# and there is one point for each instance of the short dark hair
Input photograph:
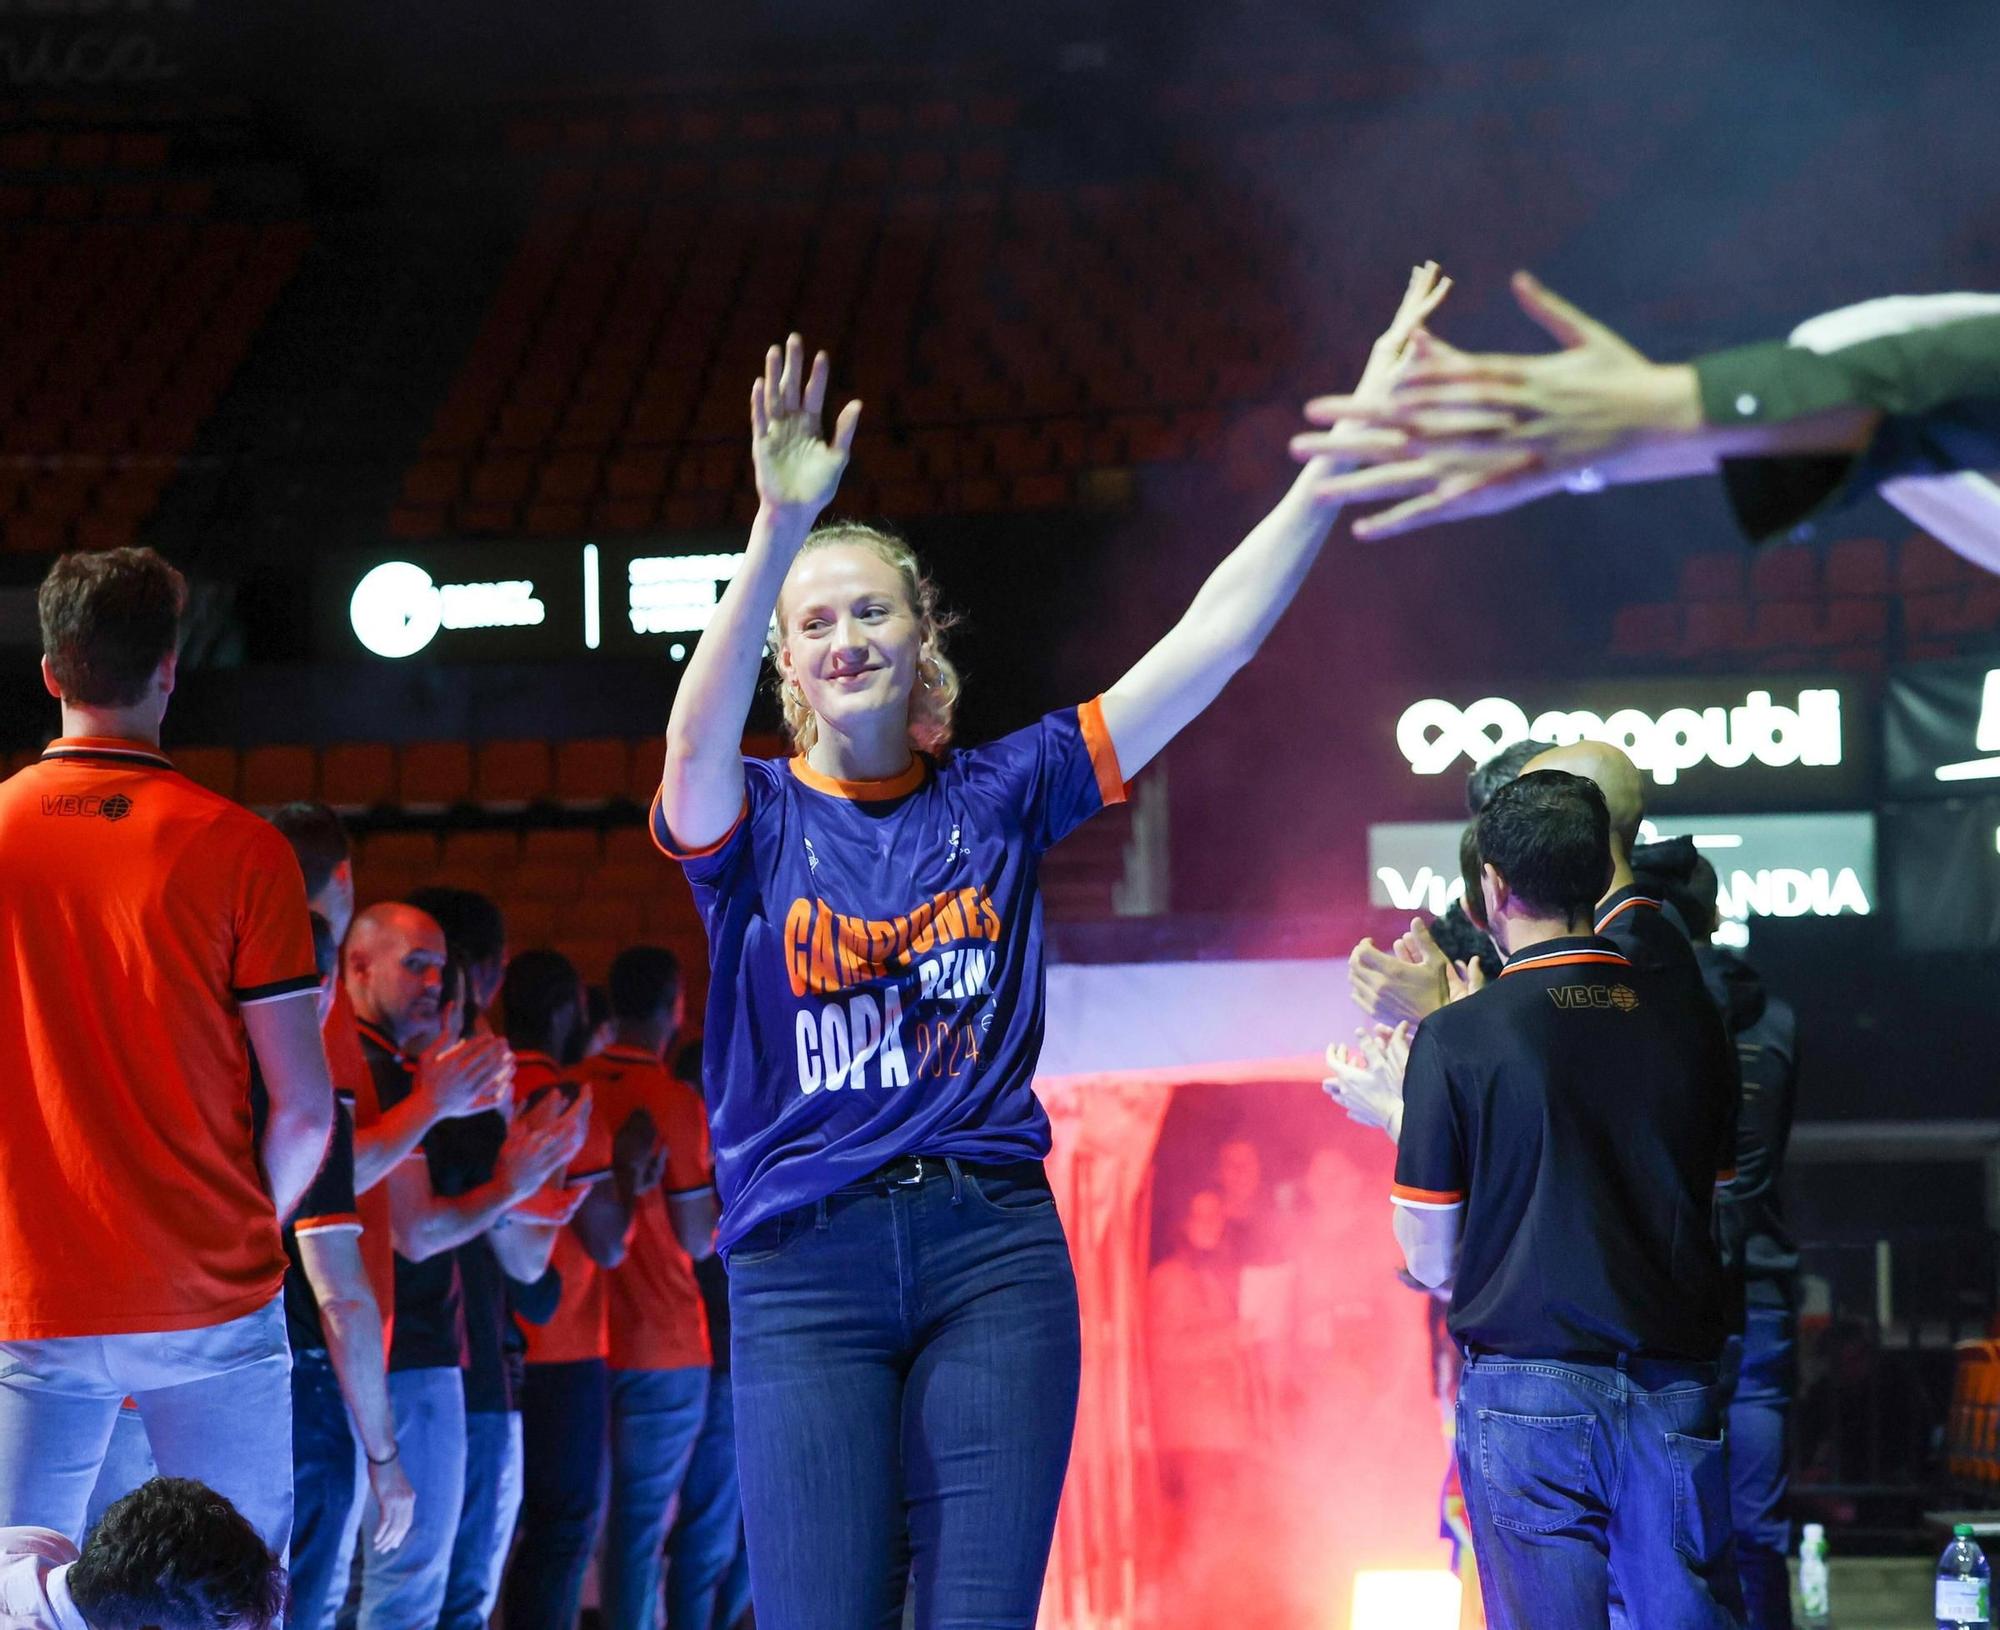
x,y
1468,874
175,1555
326,954
109,618
644,979
1504,766
473,927
318,839
1549,835
539,988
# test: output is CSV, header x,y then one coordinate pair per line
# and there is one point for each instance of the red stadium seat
x,y
1858,566
629,846
648,761
604,914
555,880
212,767
1922,563
358,775
433,775
1714,576
571,845
511,774
483,852
1785,625
592,772
279,775
1715,627
1784,572
1857,622
411,851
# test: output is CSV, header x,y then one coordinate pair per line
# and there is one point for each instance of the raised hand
x,y
1387,357
639,1154
1398,985
544,1138
797,468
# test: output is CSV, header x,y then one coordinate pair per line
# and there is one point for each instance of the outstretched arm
x,y
1244,597
701,789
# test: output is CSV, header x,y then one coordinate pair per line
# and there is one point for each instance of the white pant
x,y
216,1402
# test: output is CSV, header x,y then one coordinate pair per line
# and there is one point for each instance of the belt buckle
x,y
914,1178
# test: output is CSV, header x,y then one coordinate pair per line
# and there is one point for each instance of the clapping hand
x,y
544,1139
465,1077
1405,984
639,1154
796,467
1367,1080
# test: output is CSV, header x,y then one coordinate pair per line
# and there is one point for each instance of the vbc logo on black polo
x,y
1621,997
114,808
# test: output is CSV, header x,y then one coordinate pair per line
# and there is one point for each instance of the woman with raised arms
x,y
906,1345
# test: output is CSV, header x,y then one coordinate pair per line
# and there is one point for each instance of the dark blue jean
x,y
655,1417
1576,1472
706,1588
906,1364
1759,1377
486,1520
563,1426
327,1489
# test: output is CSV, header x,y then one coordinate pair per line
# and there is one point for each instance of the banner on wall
x,y
523,602
1943,873
1793,865
1702,741
1941,730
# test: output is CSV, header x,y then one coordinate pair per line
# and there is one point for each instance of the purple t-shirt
x,y
876,961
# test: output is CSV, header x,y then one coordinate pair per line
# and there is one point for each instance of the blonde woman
x,y
905,1319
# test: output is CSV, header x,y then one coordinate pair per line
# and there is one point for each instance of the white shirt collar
x,y
68,1615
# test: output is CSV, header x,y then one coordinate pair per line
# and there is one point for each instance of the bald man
x,y
1630,915
394,965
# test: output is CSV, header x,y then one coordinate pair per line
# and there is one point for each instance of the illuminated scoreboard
x,y
521,602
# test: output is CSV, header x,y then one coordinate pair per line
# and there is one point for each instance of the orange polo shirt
x,y
578,1330
139,916
656,1313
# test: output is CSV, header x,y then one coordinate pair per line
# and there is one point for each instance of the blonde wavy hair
x,y
934,701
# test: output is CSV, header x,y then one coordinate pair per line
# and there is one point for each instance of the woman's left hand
x,y
1387,358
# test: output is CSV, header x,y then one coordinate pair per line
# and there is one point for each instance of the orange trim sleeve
x,y
332,1223
656,823
1441,1199
1103,753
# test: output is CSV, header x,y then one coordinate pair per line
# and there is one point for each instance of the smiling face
x,y
851,640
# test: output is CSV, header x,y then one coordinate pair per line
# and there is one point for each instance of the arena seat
x,y
358,776
1717,575
1784,572
279,775
1785,624
402,850
215,768
631,846
1922,563
555,880
485,852
591,772
1858,566
573,846
433,775
511,774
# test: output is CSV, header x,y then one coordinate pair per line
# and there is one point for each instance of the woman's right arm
x,y
798,471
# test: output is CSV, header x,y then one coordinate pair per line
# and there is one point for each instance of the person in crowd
x,y
1897,395
158,943
874,1019
1574,1228
1760,1367
708,1575
600,1023
496,1296
566,1389
394,963
171,1555
659,1353
1198,1352
343,1432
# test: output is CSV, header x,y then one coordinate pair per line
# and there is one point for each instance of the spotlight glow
x,y
1386,1600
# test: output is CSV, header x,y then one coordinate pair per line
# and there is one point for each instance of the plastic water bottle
x,y
1964,1583
1814,1598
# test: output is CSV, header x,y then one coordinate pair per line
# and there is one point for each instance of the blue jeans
x,y
128,1462
655,1418
216,1403
706,1587
906,1362
1576,1472
485,1520
403,1589
563,1425
1759,1377
329,1482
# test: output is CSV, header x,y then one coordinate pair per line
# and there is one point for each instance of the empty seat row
x,y
1848,567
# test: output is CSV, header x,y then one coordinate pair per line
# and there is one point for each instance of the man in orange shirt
x,y
157,939
658,1327
564,1397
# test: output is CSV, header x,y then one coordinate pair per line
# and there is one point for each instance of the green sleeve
x,y
1938,388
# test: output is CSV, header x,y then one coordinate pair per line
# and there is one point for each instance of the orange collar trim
x,y
140,752
1626,905
865,792
1568,959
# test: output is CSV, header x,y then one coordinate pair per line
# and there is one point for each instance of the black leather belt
x,y
908,1171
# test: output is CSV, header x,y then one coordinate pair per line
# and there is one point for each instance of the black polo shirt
x,y
328,1208
1580,1110
1636,923
430,1295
